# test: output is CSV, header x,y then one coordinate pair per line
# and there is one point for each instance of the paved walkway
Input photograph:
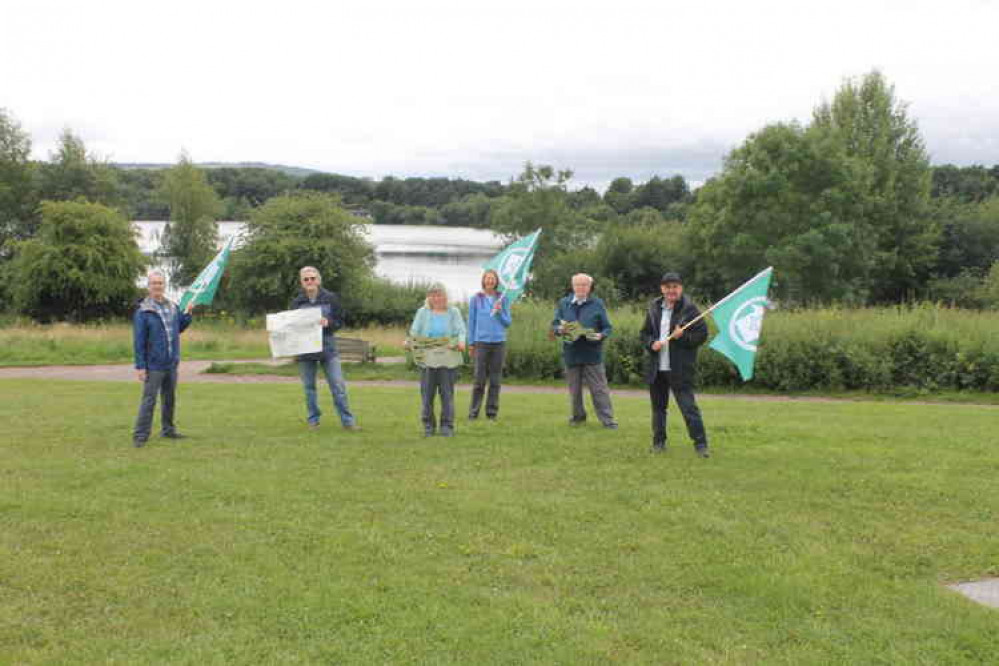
x,y
193,371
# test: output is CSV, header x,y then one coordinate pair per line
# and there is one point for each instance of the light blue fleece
x,y
482,325
422,324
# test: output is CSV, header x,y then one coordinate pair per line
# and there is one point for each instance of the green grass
x,y
208,339
817,534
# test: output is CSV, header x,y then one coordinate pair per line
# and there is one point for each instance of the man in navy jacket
x,y
157,325
671,360
584,356
312,295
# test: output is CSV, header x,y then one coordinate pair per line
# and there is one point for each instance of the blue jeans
x,y
338,387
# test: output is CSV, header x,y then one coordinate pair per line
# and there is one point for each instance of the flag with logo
x,y
739,317
513,265
202,290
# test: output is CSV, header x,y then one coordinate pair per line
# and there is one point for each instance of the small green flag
x,y
513,265
202,290
740,321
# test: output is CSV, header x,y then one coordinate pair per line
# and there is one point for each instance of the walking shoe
x,y
429,432
610,426
173,435
313,425
473,417
138,443
576,422
658,447
447,432
702,452
492,418
352,428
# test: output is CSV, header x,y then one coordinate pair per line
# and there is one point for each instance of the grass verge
x,y
817,534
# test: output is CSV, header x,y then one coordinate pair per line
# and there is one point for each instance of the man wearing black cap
x,y
671,360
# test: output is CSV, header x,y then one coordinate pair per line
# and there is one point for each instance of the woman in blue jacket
x,y
488,319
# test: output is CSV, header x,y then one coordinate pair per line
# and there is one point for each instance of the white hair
x,y
310,269
155,272
583,276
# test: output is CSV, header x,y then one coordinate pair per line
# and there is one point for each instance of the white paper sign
x,y
295,332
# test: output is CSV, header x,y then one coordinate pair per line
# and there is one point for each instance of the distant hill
x,y
298,172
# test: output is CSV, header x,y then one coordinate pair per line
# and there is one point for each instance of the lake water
x,y
404,253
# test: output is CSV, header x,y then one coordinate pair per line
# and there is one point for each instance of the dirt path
x,y
192,371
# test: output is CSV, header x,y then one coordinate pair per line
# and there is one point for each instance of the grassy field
x,y
25,344
817,534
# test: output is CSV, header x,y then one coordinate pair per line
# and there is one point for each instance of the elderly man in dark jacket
x,y
584,356
156,328
313,295
671,360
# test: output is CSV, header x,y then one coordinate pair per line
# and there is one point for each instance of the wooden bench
x,y
355,351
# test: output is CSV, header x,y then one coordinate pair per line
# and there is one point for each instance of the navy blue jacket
x,y
683,350
591,314
149,337
332,313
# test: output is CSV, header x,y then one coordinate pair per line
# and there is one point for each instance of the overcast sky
x,y
474,89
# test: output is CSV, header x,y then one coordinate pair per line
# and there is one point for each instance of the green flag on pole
x,y
202,290
513,265
740,320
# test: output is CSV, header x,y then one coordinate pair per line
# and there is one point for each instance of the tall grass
x,y
926,347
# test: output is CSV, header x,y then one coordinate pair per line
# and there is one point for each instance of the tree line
x,y
846,207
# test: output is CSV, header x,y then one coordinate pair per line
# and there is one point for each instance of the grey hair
x,y
588,278
310,269
155,272
435,288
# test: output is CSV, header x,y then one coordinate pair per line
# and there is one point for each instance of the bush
x,y
925,348
82,265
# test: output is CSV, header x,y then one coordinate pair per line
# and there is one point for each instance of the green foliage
x,y
377,301
189,240
875,130
292,231
634,258
82,264
18,198
970,236
787,197
966,184
73,172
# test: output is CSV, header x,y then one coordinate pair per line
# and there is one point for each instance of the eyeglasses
x,y
309,278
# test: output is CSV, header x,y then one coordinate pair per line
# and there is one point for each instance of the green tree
x,y
296,230
789,197
620,195
74,172
969,235
634,257
190,239
875,130
18,198
82,264
539,199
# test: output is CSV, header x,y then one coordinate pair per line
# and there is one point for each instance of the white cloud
x,y
474,88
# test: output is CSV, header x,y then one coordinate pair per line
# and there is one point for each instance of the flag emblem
x,y
747,322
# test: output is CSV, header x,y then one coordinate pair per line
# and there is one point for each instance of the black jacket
x,y
682,351
332,312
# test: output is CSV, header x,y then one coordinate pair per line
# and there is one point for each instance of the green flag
x,y
740,320
202,290
513,265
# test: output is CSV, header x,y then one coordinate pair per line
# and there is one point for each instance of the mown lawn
x,y
817,534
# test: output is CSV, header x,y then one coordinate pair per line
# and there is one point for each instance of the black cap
x,y
671,277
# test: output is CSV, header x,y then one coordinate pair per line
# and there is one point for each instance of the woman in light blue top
x,y
436,319
488,319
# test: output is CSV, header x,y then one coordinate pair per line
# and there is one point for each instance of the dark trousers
x,y
683,392
488,366
162,382
435,381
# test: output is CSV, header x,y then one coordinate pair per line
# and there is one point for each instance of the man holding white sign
x,y
330,313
